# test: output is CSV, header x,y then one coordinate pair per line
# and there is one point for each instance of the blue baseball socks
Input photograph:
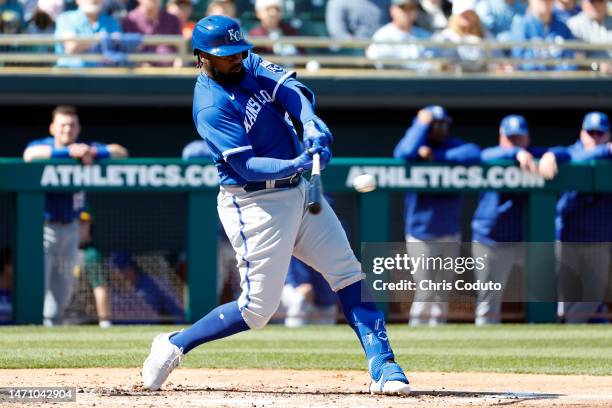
x,y
369,325
223,321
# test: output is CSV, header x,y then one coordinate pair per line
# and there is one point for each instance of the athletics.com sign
x,y
447,177
129,175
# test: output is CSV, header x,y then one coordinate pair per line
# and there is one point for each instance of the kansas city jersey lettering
x,y
247,116
253,107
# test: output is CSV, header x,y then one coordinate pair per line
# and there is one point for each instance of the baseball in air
x,y
365,183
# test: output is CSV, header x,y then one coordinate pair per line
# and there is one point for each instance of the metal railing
x,y
322,53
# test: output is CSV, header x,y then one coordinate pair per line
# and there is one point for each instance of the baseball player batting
x,y
242,107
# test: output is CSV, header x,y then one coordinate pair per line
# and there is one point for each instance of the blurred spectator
x,y
221,8
584,229
90,264
307,297
40,23
541,24
464,27
117,8
42,20
357,19
565,9
182,10
151,291
53,8
270,15
6,285
432,220
61,230
497,224
497,15
149,19
28,8
594,25
433,15
400,29
11,17
87,20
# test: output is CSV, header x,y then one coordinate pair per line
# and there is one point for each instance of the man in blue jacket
x,y
62,210
541,24
432,220
584,229
498,221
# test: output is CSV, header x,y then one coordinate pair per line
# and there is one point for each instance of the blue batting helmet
x,y
220,36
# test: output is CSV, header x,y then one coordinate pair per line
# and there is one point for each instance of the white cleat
x,y
390,388
392,381
164,358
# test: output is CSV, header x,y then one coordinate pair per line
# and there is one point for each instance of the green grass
x,y
551,349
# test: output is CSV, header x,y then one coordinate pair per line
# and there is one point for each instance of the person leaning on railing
x,y
150,19
62,210
497,15
358,19
86,20
432,220
541,24
400,29
464,26
497,224
584,232
270,15
594,25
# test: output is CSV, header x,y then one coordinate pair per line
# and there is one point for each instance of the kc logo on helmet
x,y
234,35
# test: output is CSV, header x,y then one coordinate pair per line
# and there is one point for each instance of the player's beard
x,y
228,79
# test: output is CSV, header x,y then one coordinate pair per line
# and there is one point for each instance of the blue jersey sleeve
x,y
102,148
498,153
561,153
253,168
56,152
415,137
269,75
282,86
579,153
458,152
223,130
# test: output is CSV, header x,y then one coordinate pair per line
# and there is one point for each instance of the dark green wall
x,y
163,131
151,115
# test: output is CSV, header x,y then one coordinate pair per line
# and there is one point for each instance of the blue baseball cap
x,y
439,113
596,121
513,125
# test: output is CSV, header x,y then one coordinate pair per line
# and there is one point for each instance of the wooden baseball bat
x,y
315,190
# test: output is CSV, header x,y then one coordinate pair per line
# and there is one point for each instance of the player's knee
x,y
257,322
254,320
257,316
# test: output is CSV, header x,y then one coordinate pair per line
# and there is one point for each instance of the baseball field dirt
x,y
453,365
120,387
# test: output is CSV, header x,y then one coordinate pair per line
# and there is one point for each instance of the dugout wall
x,y
182,196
